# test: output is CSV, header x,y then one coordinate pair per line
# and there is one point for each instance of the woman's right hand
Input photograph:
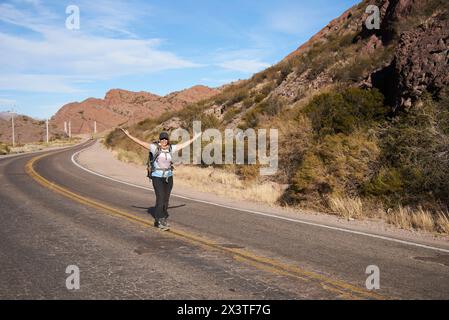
x,y
142,143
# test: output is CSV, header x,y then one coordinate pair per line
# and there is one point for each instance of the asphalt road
x,y
104,228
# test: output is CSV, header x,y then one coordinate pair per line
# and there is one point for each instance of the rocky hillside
x,y
125,107
361,113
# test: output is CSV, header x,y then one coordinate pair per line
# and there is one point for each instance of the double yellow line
x,y
340,288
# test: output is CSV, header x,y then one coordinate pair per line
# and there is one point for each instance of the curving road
x,y
54,214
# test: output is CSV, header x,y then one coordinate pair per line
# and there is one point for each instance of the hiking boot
x,y
163,224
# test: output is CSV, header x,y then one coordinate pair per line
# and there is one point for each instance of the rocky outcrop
x,y
422,60
373,43
391,12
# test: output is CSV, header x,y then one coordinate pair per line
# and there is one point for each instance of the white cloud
x,y
59,59
115,17
244,65
32,2
7,102
38,83
243,60
216,82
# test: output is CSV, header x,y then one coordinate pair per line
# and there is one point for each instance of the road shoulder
x,y
100,160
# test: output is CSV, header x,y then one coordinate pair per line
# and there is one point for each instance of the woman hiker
x,y
161,172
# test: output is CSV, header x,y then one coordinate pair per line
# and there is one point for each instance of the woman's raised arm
x,y
187,143
139,142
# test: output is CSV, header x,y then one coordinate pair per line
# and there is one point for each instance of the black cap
x,y
163,135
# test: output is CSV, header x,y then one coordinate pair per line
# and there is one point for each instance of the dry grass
x,y
403,217
349,208
419,219
442,222
400,217
31,147
228,184
422,219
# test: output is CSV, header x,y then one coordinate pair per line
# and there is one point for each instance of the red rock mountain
x,y
121,106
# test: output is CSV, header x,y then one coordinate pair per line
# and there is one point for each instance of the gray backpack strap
x,y
152,158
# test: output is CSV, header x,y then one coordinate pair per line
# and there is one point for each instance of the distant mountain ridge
x,y
125,107
118,107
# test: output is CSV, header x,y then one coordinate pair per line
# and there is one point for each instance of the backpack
x,y
152,159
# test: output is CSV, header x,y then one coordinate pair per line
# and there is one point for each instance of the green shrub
x,y
191,113
308,174
264,92
208,121
237,96
271,107
4,149
359,67
231,94
387,183
267,89
250,119
344,156
353,71
346,40
415,157
230,114
319,64
285,70
259,97
340,164
248,102
343,112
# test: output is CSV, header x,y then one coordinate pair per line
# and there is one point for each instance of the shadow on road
x,y
151,210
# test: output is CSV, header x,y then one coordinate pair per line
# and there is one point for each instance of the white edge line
x,y
261,213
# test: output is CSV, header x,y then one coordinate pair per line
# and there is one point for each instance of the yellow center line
x,y
343,289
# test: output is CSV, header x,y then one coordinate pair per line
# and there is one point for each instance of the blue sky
x,y
157,46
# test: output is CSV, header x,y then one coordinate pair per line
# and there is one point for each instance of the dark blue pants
x,y
162,189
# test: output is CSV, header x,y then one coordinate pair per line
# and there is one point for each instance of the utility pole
x,y
95,127
70,129
65,127
46,124
13,133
